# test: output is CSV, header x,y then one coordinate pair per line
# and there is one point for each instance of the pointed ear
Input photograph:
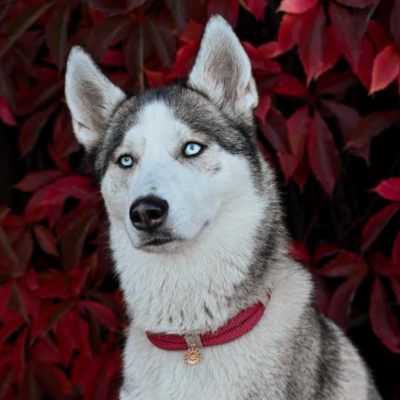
x,y
222,70
91,97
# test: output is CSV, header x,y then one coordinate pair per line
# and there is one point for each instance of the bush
x,y
328,75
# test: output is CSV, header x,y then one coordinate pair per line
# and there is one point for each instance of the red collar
x,y
236,327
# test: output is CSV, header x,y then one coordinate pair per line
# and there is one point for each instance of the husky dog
x,y
197,236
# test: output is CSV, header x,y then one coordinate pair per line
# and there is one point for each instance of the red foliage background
x,y
328,75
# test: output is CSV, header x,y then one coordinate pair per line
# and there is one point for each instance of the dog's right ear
x,y
91,97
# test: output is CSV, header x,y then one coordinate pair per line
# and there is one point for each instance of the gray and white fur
x,y
196,238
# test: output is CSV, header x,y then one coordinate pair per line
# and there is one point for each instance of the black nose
x,y
148,213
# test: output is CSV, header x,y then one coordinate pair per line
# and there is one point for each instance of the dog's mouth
x,y
158,242
162,243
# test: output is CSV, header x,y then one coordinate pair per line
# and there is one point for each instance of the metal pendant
x,y
193,355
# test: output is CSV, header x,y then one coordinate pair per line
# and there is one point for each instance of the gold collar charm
x,y
193,355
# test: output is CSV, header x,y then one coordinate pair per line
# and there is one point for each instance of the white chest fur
x,y
234,371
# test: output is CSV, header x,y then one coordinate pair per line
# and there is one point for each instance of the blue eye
x,y
125,161
192,149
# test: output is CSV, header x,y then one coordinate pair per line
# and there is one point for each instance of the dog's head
x,y
177,161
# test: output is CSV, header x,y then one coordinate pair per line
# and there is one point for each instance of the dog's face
x,y
171,161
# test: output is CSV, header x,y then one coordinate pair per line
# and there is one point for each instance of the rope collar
x,y
236,327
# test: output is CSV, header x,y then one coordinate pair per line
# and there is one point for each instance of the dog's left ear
x,y
222,70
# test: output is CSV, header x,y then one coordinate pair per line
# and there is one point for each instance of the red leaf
x,y
331,53
78,280
113,58
47,91
7,252
289,32
160,32
324,250
365,63
318,49
275,131
193,31
299,127
259,57
103,33
384,323
347,117
256,7
66,340
22,22
288,164
93,376
378,34
136,50
101,314
48,318
386,68
64,142
263,107
56,32
52,289
115,6
81,334
394,22
46,351
389,189
35,180
349,27
357,3
53,381
73,230
396,251
157,79
5,295
323,154
46,239
31,129
24,249
6,376
10,327
336,84
179,11
298,250
5,112
184,60
302,173
395,282
344,264
340,304
290,86
229,9
376,224
297,6
369,127
383,266
49,200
